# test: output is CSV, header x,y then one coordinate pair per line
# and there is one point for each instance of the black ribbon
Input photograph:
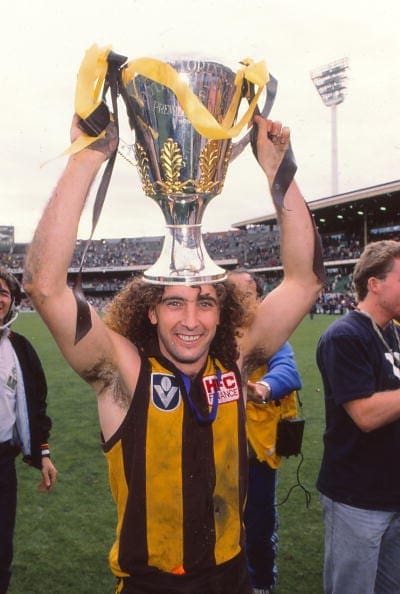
x,y
271,89
280,185
95,123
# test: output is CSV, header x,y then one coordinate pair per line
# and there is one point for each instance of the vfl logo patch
x,y
228,388
165,392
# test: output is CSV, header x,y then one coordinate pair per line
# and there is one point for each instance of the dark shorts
x,y
229,578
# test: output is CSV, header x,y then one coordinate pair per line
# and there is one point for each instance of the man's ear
x,y
373,284
152,316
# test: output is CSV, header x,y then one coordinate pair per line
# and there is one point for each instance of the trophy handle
x,y
271,88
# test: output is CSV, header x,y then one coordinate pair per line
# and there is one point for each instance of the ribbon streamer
x,y
199,116
89,92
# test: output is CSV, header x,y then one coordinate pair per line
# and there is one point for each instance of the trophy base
x,y
151,277
184,260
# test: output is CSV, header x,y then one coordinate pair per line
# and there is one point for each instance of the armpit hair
x,y
105,374
253,361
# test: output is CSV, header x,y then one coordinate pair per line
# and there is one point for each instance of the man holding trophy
x,y
164,362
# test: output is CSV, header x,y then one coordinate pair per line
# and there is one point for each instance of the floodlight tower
x,y
330,82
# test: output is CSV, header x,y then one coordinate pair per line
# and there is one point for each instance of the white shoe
x,y
261,591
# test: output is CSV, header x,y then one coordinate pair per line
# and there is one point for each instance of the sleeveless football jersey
x,y
179,482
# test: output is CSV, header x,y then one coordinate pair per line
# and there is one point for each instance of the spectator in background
x,y
313,311
24,424
271,393
359,360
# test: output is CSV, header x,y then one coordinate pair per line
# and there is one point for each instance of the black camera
x,y
289,437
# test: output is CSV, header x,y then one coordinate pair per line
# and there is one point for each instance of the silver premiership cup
x,y
180,168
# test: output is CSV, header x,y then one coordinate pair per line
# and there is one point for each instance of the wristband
x,y
45,450
269,391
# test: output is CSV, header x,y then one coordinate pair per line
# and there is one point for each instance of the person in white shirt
x,y
24,424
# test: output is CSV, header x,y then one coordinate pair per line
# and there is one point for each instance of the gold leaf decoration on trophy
x,y
226,162
208,166
142,162
171,163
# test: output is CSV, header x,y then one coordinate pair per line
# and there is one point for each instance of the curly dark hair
x,y
127,314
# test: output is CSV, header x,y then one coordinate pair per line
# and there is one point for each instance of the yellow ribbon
x,y
199,116
93,70
88,92
91,76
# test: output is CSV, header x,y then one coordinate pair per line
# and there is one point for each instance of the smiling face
x,y
5,300
187,319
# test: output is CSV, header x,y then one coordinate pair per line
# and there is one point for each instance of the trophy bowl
x,y
181,167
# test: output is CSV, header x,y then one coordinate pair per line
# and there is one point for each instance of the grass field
x,y
62,538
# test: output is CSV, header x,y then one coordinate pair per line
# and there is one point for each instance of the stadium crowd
x,y
110,263
250,248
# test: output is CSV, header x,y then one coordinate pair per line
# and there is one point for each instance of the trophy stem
x,y
184,259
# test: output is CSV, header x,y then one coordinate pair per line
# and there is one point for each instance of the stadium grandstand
x,y
346,223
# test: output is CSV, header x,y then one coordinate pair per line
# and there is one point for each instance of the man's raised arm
x,y
51,250
284,307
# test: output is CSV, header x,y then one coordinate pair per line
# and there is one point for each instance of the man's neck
x,y
4,332
191,369
375,311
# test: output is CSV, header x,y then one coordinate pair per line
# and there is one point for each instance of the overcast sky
x,y
43,42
